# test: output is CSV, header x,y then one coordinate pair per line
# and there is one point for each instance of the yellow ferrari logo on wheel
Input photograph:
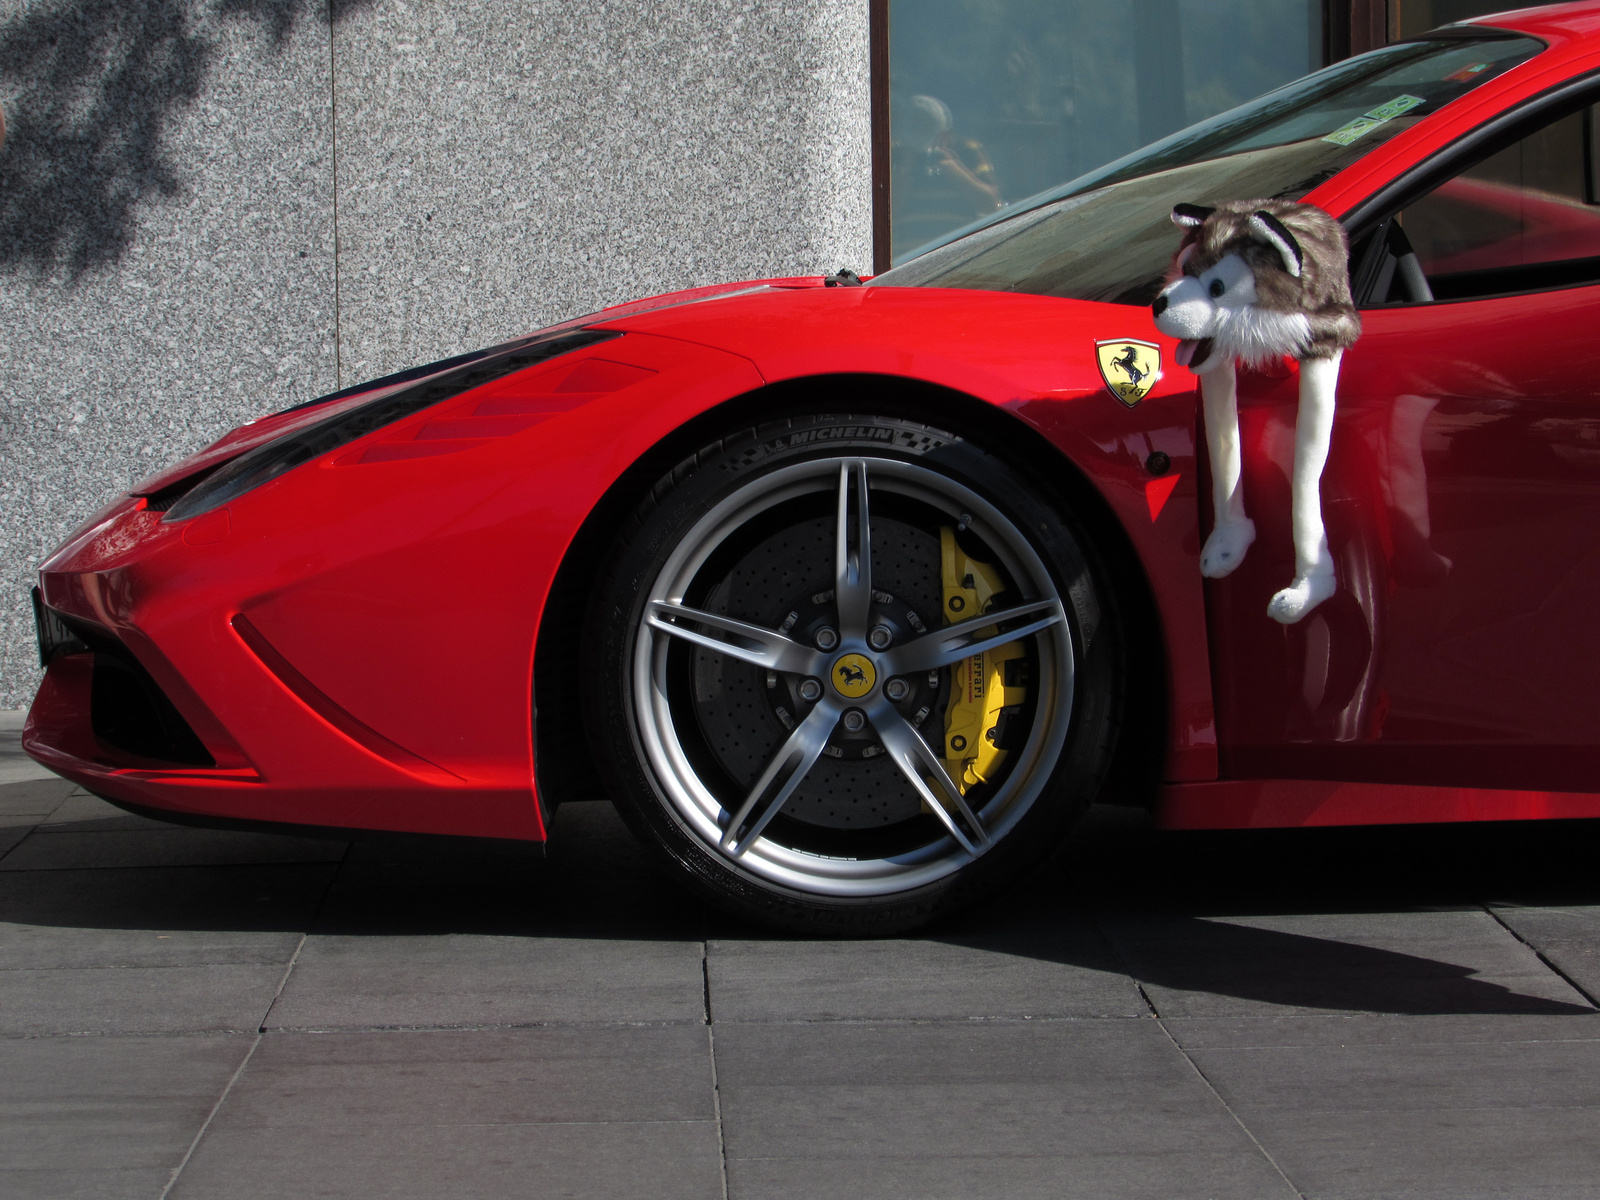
x,y
853,676
1130,368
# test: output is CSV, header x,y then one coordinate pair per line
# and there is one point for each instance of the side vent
x,y
325,707
504,408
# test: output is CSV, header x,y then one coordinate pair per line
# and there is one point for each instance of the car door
x,y
1462,499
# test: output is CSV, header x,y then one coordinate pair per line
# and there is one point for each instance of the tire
x,y
752,727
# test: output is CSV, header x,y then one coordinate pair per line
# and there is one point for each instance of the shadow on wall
x,y
91,88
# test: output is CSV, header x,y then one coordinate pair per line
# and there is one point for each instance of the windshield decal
x,y
1351,130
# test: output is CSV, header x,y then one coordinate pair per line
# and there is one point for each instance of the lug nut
x,y
897,689
827,638
854,720
810,689
880,637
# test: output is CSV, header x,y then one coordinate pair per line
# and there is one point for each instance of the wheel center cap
x,y
853,675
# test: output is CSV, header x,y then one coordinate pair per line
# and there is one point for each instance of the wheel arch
x,y
563,767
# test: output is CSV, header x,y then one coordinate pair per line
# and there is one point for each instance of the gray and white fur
x,y
1255,280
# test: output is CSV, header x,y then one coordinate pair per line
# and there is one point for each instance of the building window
x,y
1407,18
991,101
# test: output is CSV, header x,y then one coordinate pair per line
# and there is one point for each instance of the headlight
x,y
265,463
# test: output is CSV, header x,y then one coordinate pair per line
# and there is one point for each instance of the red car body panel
x,y
1035,357
354,641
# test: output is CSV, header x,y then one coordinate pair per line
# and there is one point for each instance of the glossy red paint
x,y
1033,356
1461,493
353,642
1307,803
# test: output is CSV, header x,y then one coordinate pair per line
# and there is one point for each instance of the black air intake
x,y
130,712
127,708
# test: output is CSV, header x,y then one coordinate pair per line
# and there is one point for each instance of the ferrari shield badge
x,y
1130,368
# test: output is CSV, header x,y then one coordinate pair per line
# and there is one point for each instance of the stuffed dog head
x,y
1254,280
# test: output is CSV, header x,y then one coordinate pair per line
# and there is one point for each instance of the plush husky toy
x,y
1255,280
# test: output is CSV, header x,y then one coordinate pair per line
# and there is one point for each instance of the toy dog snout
x,y
1184,310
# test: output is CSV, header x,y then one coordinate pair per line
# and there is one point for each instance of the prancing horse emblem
x,y
853,675
1129,367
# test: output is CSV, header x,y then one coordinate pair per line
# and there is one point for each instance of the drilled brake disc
x,y
851,787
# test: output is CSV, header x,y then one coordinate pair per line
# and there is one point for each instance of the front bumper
x,y
159,693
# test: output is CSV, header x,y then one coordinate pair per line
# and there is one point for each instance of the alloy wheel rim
x,y
735,827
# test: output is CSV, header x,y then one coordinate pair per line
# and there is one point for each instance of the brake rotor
x,y
852,786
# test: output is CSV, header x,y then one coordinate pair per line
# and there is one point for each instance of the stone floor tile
x,y
1478,1106
374,981
1124,1174
1001,1091
1437,1154
478,1077
15,765
198,999
1420,962
1369,1029
1401,1077
32,948
1567,935
1033,952
156,917
82,1183
105,1117
79,806
35,798
600,1161
12,834
1064,974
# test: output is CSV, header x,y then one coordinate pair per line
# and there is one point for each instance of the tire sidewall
x,y
676,504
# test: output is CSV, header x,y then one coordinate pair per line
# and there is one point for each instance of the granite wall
x,y
214,208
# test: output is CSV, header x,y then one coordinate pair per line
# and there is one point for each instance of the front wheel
x,y
851,673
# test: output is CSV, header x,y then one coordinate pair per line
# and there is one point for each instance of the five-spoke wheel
x,y
840,674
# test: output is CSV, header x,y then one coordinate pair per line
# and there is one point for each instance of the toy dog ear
x,y
1276,233
1188,216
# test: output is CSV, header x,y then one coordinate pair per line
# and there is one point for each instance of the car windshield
x,y
1108,235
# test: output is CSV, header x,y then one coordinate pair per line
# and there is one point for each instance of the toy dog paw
x,y
1224,549
1300,597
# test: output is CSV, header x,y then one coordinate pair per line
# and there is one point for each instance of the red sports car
x,y
852,597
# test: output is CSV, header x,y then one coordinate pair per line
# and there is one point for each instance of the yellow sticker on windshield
x,y
1351,130
1365,124
1400,104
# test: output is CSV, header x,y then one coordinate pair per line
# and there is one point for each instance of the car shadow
x,y
1297,919
1316,918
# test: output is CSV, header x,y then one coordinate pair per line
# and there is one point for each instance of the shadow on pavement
x,y
1115,860
1160,893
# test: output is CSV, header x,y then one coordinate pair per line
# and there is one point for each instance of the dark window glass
x,y
992,101
1108,235
1523,219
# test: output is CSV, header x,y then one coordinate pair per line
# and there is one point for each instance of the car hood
x,y
264,429
1000,346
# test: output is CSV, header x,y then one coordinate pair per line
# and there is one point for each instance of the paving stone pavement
x,y
1335,1013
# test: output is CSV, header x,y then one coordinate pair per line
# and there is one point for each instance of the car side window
x,y
1526,218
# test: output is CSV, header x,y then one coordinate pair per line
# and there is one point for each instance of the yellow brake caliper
x,y
986,690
